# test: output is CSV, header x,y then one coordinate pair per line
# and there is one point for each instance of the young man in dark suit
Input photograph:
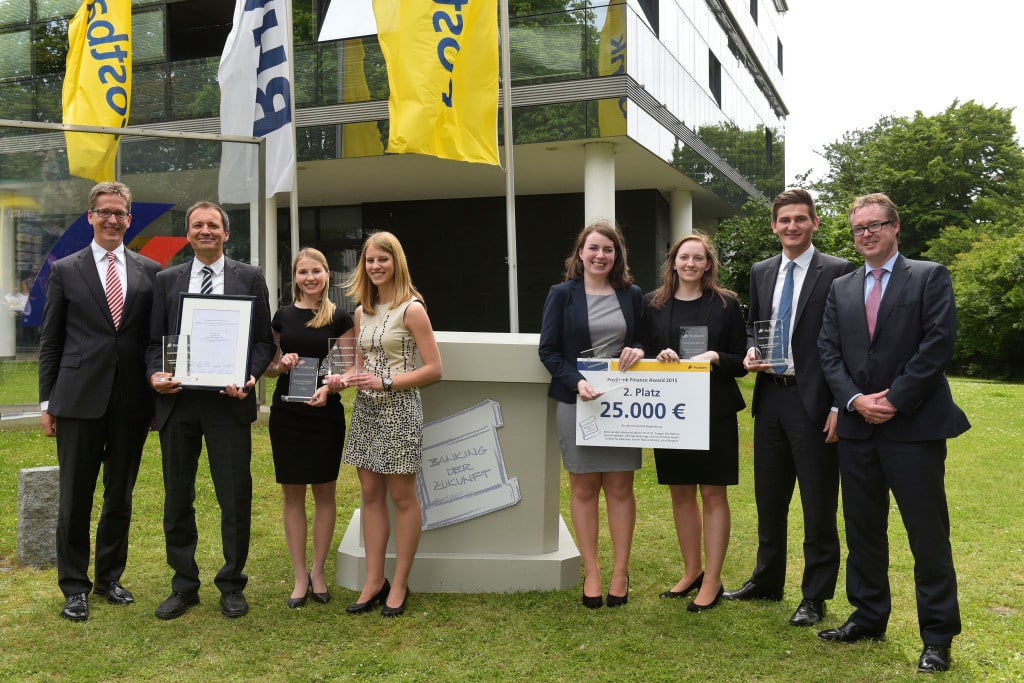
x,y
223,419
794,418
94,395
887,335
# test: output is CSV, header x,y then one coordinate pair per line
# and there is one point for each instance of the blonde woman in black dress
x,y
306,438
690,295
385,442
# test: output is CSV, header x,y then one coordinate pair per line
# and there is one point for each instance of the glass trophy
x,y
602,351
693,340
176,358
341,355
770,342
303,381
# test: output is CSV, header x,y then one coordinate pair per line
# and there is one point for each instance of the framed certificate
x,y
219,329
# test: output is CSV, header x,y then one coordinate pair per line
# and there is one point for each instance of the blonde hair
x,y
670,278
325,307
361,289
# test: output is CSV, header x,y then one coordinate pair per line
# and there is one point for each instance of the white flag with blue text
x,y
255,99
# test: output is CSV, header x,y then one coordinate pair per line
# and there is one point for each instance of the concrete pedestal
x,y
38,500
523,547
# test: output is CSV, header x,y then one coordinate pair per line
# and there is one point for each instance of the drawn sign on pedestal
x,y
463,474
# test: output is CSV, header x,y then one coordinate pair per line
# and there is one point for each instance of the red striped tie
x,y
115,297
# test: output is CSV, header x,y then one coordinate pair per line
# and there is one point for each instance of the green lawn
x,y
526,636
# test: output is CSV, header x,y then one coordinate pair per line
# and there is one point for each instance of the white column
x,y
598,181
9,284
681,214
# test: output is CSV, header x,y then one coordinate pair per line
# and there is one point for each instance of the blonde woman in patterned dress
x,y
385,439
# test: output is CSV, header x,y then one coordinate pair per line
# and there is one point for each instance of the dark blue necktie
x,y
785,316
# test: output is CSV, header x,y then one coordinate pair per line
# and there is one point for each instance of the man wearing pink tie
x,y
95,396
886,337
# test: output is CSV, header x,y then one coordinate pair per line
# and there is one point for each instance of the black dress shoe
x,y
76,607
386,611
695,607
322,598
934,658
378,598
618,600
296,603
751,591
686,591
850,632
809,613
176,605
233,604
592,601
115,593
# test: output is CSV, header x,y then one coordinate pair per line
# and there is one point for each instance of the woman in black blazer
x,y
691,296
596,309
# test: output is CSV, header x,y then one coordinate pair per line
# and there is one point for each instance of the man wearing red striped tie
x,y
95,395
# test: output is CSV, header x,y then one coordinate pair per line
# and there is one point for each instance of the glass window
x,y
148,100
15,54
715,77
51,9
13,12
51,47
148,36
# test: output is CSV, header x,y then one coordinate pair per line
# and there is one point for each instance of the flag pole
x,y
510,183
293,199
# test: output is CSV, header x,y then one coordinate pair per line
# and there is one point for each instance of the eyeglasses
x,y
119,216
870,228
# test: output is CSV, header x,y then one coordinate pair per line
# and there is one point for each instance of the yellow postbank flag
x,y
97,84
611,113
357,139
442,61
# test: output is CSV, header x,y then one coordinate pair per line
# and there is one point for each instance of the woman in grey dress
x,y
597,308
385,440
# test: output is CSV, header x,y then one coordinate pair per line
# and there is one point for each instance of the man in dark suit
x,y
94,395
794,421
887,335
223,418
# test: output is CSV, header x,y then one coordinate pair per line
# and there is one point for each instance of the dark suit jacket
x,y
821,271
79,347
726,335
914,337
565,332
239,279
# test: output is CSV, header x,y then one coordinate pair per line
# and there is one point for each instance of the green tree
x,y
988,281
957,168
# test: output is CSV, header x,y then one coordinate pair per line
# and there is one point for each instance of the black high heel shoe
x,y
386,611
697,583
694,607
592,602
378,598
322,598
295,603
619,600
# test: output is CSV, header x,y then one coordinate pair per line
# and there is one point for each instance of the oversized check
x,y
652,405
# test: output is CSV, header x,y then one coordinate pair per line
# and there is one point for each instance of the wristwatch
x,y
386,382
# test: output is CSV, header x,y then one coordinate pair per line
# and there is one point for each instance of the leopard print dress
x,y
386,432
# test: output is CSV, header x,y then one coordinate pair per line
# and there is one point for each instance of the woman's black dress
x,y
307,442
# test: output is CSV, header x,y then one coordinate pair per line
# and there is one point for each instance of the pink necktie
x,y
874,300
115,297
